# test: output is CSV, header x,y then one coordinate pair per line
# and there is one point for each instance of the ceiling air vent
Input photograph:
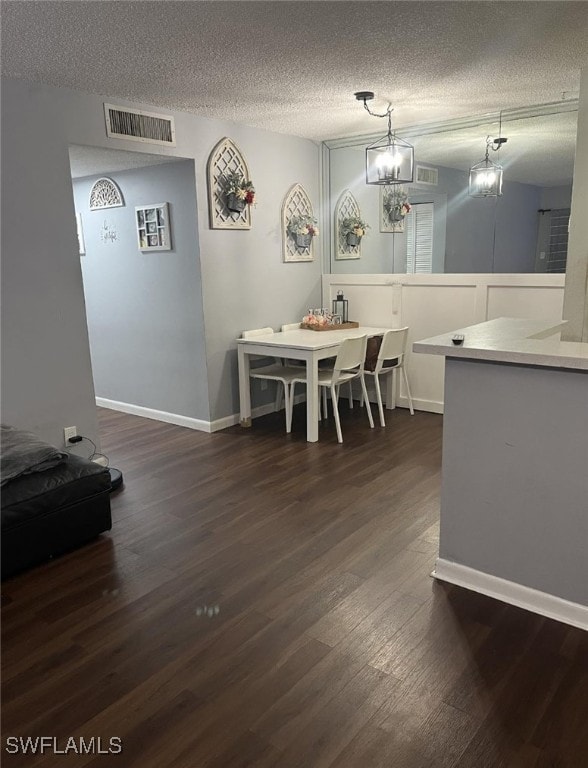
x,y
426,175
135,125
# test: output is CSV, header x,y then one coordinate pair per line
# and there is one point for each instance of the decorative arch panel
x,y
225,158
346,206
105,193
296,203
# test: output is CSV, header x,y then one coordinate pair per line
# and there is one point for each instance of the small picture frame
x,y
153,230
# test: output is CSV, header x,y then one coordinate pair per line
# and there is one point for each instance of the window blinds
x,y
419,239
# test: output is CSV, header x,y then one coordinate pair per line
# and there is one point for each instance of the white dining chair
x,y
300,364
391,357
348,366
326,363
279,372
293,327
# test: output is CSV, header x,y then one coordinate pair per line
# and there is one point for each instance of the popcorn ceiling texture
x,y
89,161
292,67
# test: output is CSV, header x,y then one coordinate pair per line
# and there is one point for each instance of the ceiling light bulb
x,y
486,179
388,165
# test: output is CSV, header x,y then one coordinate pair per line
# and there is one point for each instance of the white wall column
x,y
575,309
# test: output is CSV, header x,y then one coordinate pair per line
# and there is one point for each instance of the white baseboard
x,y
418,404
431,406
228,421
151,413
510,592
184,421
261,410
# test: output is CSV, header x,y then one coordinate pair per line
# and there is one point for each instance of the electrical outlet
x,y
69,432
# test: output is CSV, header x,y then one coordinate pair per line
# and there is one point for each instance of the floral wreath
x,y
354,225
396,200
303,225
243,189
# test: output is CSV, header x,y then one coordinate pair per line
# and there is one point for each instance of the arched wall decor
x,y
225,158
396,194
105,193
296,203
346,206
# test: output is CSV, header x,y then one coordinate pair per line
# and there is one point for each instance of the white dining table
x,y
299,344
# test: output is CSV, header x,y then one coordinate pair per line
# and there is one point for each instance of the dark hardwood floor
x,y
261,601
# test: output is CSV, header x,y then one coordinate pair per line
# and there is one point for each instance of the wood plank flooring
x,y
261,601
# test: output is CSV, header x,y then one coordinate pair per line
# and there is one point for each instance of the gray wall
x,y
145,315
514,499
556,197
468,223
517,226
47,371
490,234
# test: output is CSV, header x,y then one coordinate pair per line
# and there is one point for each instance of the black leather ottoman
x,y
47,513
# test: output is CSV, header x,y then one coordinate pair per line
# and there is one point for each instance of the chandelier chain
x,y
387,113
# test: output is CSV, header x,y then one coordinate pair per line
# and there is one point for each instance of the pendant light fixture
x,y
486,176
390,160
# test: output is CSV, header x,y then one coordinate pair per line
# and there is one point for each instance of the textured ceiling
x,y
292,67
91,161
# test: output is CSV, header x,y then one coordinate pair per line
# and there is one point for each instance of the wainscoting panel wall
x,y
434,304
429,311
540,303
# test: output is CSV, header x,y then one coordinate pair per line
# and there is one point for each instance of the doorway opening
x,y
141,275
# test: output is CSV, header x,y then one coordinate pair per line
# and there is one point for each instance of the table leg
x,y
312,395
244,387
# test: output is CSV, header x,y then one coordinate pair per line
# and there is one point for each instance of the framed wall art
x,y
153,229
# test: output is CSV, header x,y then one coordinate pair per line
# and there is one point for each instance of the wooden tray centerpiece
x,y
330,326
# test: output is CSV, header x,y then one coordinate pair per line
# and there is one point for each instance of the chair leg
x,y
290,406
350,395
379,397
325,408
335,398
320,407
367,402
278,402
408,391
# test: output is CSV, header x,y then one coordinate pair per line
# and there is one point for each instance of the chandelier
x,y
389,160
486,176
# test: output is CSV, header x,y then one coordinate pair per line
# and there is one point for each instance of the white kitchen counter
x,y
511,340
514,491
